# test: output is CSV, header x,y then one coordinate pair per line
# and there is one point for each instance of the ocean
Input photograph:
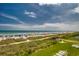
x,y
9,32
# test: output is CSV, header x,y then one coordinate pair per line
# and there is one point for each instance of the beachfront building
x,y
13,36
1,38
56,39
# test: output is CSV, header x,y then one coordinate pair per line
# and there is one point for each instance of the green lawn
x,y
52,50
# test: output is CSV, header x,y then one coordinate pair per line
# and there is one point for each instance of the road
x,y
25,41
73,41
37,40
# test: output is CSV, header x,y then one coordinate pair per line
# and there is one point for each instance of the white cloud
x,y
45,26
76,10
59,25
30,14
41,4
12,18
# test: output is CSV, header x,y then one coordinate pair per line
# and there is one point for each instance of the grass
x,y
24,49
52,50
10,41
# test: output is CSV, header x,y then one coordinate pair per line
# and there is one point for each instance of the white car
x,y
61,53
76,46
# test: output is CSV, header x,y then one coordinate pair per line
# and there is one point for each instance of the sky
x,y
39,16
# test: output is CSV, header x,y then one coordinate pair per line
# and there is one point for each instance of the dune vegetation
x,y
38,47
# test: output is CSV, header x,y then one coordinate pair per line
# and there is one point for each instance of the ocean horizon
x,y
28,31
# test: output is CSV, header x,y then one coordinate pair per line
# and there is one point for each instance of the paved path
x,y
25,41
73,41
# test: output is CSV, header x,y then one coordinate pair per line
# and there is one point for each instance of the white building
x,y
13,36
